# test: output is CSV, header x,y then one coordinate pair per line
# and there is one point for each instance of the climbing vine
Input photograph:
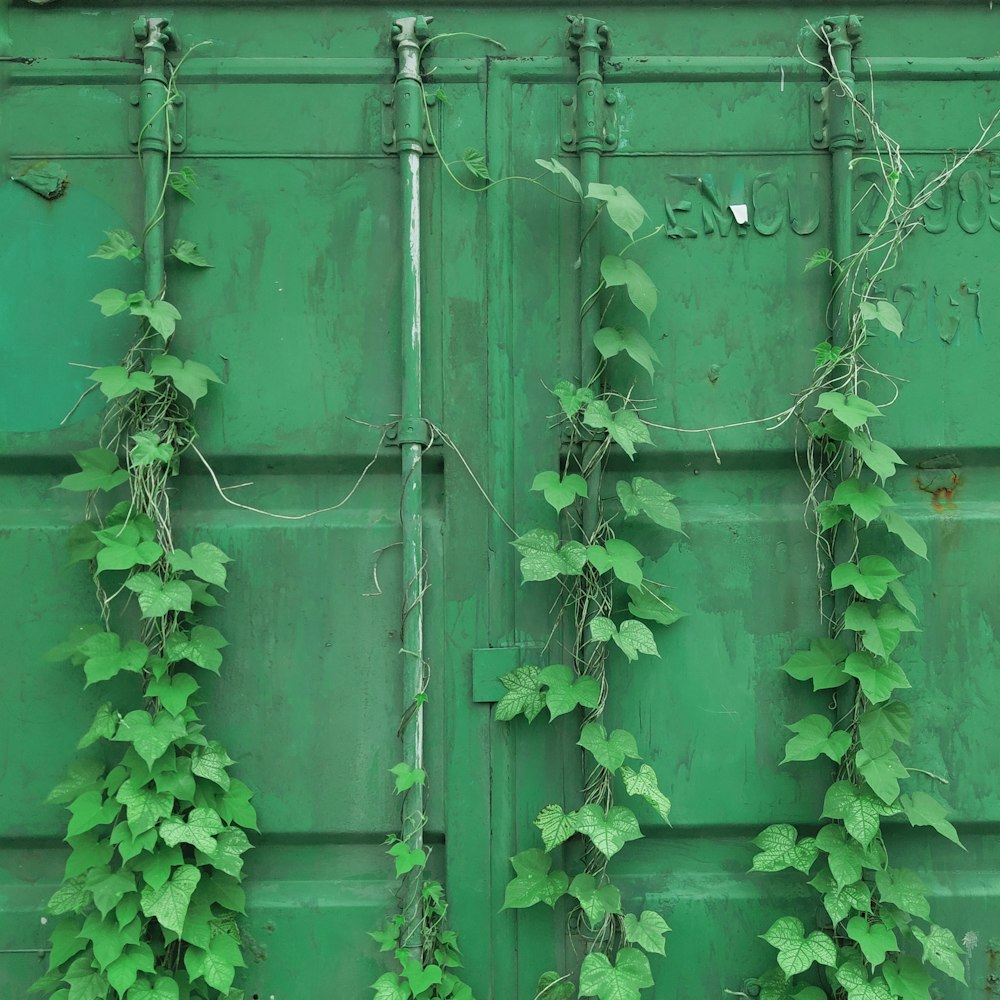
x,y
157,831
876,940
606,600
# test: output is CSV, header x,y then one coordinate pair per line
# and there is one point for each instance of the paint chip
x,y
740,213
44,178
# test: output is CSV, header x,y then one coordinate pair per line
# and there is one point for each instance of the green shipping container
x,y
717,117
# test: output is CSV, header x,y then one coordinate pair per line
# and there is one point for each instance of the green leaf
x,y
89,850
883,725
210,762
169,904
119,243
560,493
874,939
866,500
98,471
201,647
475,163
108,888
127,545
389,987
71,897
609,751
839,901
922,809
815,736
102,728
879,457
880,634
644,784
556,825
406,776
163,988
822,664
882,773
161,316
534,882
851,410
228,857
633,638
646,604
524,694
188,253
123,972
112,301
206,562
552,986
902,597
907,978
884,313
158,597
860,811
173,691
81,545
116,381
621,981
235,806
199,830
407,858
870,577
796,951
942,951
217,964
189,377
779,850
905,532
144,806
846,857
555,167
90,809
818,258
612,340
105,656
619,557
149,449
609,832
596,901
877,680
624,426
903,889
651,499
150,737
571,398
618,271
646,930
182,181
566,690
626,213
855,981
542,557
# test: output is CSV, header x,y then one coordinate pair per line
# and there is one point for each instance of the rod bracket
x,y
833,119
410,430
404,121
154,36
588,117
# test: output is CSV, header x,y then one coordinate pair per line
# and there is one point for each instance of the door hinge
x,y
489,665
819,118
389,144
177,116
607,123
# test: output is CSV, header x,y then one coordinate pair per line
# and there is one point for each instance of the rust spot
x,y
942,495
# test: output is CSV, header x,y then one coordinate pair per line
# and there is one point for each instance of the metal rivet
x,y
134,100
611,138
567,102
610,98
567,137
818,135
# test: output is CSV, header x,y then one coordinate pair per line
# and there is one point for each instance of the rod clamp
x,y
410,430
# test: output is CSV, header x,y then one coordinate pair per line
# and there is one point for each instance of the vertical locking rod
x,y
409,33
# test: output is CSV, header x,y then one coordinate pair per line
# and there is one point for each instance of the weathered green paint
x,y
299,209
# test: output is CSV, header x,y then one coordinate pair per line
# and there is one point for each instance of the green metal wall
x,y
298,208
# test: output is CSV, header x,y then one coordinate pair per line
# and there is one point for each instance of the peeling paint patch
x,y
45,178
